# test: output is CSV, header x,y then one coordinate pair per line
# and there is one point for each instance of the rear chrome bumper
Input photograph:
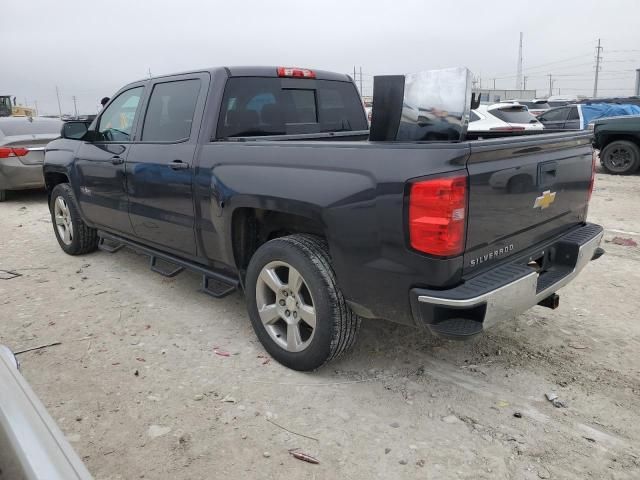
x,y
506,291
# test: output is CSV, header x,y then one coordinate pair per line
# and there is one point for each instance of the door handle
x,y
178,165
117,160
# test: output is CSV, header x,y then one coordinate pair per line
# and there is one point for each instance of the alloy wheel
x,y
63,220
285,306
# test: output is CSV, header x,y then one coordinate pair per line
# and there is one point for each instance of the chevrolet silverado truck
x,y
618,139
267,179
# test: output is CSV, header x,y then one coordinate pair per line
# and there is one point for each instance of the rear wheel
x,y
73,235
296,308
620,157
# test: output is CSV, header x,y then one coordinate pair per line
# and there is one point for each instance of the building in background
x,y
488,95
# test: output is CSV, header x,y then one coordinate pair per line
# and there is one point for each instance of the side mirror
x,y
74,130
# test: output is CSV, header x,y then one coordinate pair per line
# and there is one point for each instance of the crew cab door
x,y
100,164
160,165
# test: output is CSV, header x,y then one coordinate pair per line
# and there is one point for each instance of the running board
x,y
153,265
109,246
215,283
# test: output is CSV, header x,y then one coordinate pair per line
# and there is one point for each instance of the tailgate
x,y
522,192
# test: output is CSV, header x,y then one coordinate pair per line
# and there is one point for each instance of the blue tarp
x,y
594,111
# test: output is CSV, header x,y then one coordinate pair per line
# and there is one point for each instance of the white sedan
x,y
502,118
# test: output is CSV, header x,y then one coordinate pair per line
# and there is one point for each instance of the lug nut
x,y
295,314
285,293
281,302
287,313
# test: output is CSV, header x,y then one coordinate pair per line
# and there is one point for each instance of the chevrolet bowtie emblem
x,y
544,200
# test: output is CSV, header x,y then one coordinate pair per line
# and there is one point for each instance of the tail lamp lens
x,y
6,152
437,215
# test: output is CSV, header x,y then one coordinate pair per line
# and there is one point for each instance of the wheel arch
x,y
253,226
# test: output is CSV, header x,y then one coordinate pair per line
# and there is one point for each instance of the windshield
x,y
16,126
5,106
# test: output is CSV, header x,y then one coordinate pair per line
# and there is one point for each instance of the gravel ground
x,y
138,389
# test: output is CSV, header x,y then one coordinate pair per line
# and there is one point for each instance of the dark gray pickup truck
x,y
266,179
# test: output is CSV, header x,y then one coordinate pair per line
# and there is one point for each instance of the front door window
x,y
116,122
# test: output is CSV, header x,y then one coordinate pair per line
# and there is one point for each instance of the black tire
x,y
84,239
3,195
620,157
336,326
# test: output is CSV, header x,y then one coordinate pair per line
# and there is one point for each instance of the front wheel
x,y
620,157
296,308
73,235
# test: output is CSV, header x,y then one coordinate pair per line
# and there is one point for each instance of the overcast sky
x,y
91,49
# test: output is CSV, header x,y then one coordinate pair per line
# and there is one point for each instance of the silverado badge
x,y
545,200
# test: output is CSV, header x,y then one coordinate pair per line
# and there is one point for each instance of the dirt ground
x,y
139,391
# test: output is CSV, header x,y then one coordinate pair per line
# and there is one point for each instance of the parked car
x,y
264,179
536,107
32,447
501,119
368,108
22,144
618,139
578,117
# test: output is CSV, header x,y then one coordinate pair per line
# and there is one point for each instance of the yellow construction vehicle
x,y
12,109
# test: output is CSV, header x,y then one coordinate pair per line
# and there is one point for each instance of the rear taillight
x,y
437,215
6,152
296,72
593,175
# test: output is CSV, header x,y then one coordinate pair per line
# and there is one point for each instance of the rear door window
x,y
170,112
556,115
573,114
260,106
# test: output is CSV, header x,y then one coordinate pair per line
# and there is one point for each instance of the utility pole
x,y
355,77
59,107
519,75
598,59
35,102
494,83
550,84
637,89
149,72
361,91
524,82
75,106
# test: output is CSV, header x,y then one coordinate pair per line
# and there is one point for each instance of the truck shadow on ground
x,y
21,198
